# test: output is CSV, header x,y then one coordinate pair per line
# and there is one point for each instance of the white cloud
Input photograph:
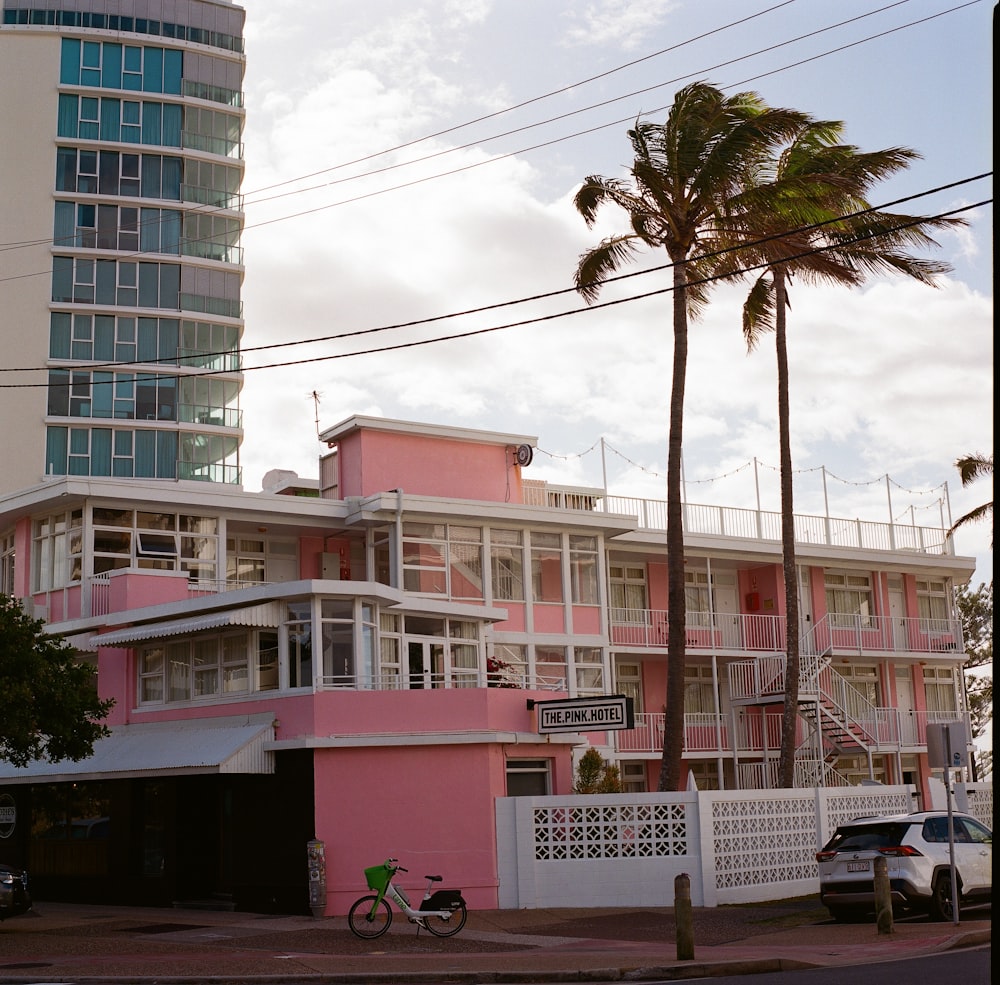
x,y
895,378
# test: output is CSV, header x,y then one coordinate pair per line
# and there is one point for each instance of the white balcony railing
x,y
728,521
703,630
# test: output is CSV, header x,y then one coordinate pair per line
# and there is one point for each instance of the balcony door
x,y
425,664
727,610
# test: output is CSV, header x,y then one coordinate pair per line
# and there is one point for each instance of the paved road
x,y
65,942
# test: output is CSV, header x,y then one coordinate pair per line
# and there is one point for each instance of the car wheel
x,y
941,902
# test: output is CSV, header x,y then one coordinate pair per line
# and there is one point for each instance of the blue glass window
x,y
111,69
55,450
89,116
100,451
66,169
152,123
104,337
69,115
173,71
90,74
110,119
60,324
58,395
62,278
131,122
69,62
152,70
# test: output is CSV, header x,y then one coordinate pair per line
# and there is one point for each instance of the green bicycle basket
x,y
378,877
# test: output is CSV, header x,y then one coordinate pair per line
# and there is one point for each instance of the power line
x,y
537,297
483,331
523,150
592,106
535,99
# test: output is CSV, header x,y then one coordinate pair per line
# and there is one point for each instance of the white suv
x,y
917,853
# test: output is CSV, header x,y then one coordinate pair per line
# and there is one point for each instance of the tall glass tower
x,y
121,164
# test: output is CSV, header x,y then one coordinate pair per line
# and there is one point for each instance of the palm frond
x,y
597,264
973,467
758,311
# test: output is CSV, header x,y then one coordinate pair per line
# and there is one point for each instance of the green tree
x,y
971,468
975,607
50,704
688,195
816,224
594,774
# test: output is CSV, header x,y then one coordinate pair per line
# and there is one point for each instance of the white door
x,y
426,663
904,705
897,614
727,611
805,608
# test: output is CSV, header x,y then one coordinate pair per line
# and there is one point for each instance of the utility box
x,y
947,746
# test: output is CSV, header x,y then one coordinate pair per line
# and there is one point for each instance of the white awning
x,y
230,745
269,614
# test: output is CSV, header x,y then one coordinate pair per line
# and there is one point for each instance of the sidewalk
x,y
93,944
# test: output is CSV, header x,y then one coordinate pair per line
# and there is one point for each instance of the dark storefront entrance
x,y
231,840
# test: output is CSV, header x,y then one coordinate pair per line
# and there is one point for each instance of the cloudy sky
x,y
409,160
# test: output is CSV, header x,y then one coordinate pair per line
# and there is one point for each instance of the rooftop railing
x,y
748,524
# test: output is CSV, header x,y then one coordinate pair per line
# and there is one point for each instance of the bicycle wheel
x,y
367,920
446,926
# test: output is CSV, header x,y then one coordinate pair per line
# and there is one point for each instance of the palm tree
x,y
687,196
820,227
971,468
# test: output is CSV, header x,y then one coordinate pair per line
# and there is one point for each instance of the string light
x,y
763,465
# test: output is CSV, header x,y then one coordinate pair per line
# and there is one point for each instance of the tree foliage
x,y
971,468
690,194
975,606
51,708
594,774
815,223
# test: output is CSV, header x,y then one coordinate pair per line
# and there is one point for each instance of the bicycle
x,y
442,912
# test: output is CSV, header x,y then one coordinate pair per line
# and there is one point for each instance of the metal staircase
x,y
840,719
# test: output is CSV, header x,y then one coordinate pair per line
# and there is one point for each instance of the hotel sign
x,y
585,714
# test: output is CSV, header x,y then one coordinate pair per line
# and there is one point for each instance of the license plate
x,y
857,866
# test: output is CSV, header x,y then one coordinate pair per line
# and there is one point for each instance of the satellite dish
x,y
523,455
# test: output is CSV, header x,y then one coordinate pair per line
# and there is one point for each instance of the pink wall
x,y
586,619
548,618
133,590
437,709
378,461
656,575
768,584
116,679
431,807
516,614
310,550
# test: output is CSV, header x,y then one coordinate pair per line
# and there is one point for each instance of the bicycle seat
x,y
434,878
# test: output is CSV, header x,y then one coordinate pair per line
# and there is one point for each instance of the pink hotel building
x,y
359,659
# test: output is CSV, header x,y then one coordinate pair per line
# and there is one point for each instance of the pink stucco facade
x,y
388,641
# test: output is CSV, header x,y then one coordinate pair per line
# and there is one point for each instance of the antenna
x,y
314,397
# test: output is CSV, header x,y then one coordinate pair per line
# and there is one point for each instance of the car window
x,y
867,837
972,831
936,829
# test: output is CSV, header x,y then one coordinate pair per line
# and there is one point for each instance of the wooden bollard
x,y
684,917
883,897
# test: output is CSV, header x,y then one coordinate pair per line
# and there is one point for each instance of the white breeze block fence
x,y
736,846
